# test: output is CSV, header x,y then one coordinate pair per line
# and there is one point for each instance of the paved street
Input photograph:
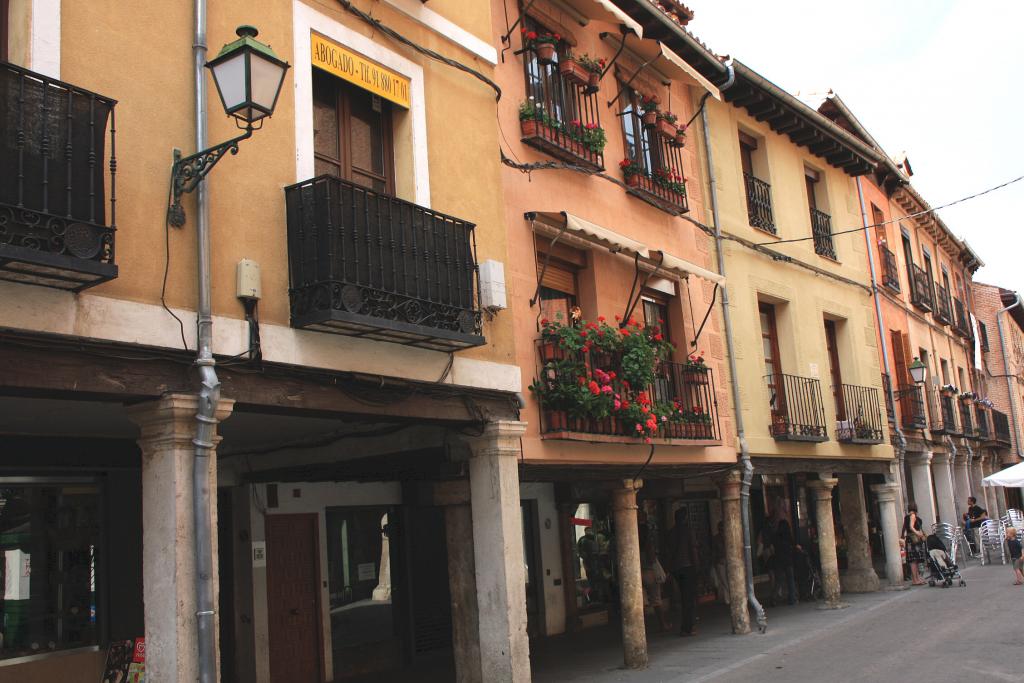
x,y
923,634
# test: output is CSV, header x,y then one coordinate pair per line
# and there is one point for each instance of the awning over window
x,y
673,265
575,229
604,10
658,56
551,223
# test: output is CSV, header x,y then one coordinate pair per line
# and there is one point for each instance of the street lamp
x,y
918,371
248,75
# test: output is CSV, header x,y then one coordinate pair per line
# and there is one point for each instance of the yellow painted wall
x,y
140,54
803,298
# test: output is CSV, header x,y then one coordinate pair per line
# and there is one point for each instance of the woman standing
x,y
914,540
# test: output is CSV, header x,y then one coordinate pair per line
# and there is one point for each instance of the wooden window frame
x,y
343,109
773,343
835,371
5,27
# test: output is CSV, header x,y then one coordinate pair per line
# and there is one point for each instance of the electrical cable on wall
x,y
897,220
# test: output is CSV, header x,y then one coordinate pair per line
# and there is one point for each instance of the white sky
x,y
940,79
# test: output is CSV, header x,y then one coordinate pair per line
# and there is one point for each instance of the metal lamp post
x,y
248,75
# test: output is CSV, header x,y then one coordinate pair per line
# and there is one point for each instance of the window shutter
x,y
559,278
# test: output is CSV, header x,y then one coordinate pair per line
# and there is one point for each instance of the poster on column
x,y
137,669
119,658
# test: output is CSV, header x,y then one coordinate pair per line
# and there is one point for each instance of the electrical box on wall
x,y
492,285
248,282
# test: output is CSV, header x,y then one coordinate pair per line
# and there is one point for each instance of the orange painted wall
x,y
606,282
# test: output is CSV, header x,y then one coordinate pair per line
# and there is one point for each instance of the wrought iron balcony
x,y
920,288
564,113
798,413
962,324
370,265
981,422
56,175
943,412
890,409
859,418
943,309
890,272
966,423
687,394
911,400
821,229
759,203
1001,427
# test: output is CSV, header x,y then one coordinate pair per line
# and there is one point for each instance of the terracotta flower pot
x,y
551,351
545,52
680,138
529,127
555,420
649,118
578,424
633,180
573,71
594,80
666,129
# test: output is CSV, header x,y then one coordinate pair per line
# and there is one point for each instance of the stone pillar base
x,y
865,581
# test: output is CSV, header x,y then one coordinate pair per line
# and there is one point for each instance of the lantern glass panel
x,y
230,78
266,81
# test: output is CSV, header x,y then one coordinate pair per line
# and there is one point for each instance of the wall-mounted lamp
x,y
248,75
918,371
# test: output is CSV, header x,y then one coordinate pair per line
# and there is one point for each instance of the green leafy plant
x,y
592,65
648,104
668,116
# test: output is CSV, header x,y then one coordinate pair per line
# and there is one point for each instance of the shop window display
x,y
49,538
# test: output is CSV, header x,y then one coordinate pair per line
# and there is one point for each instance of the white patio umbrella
x,y
1011,476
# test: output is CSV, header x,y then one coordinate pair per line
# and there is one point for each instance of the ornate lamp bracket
x,y
188,172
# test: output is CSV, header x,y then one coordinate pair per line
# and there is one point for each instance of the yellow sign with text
x,y
355,68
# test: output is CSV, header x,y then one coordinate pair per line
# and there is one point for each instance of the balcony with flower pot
x,y
579,142
602,383
663,187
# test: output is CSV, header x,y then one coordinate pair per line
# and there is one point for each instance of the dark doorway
x,y
226,555
293,598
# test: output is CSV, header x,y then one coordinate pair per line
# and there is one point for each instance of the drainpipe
x,y
209,393
901,439
748,467
1006,371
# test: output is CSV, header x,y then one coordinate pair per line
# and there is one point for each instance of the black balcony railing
x,y
943,412
798,413
862,416
943,308
920,288
962,323
56,175
1001,427
563,115
370,265
890,272
688,394
981,422
821,229
759,203
911,400
890,409
966,421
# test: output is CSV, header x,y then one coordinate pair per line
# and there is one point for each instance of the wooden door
x,y
293,598
834,371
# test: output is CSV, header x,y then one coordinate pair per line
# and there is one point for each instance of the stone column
x,y
860,574
458,527
498,553
631,592
921,475
996,495
976,475
821,489
729,492
167,428
891,529
962,483
943,476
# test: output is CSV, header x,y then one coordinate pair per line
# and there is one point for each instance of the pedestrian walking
x,y
1013,545
652,576
683,563
914,540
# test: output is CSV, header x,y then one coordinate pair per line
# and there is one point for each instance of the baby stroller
x,y
944,570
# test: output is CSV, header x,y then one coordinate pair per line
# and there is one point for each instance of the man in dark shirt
x,y
973,518
684,558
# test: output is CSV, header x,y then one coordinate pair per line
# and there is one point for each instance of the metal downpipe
x,y
1006,367
901,439
209,392
748,467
